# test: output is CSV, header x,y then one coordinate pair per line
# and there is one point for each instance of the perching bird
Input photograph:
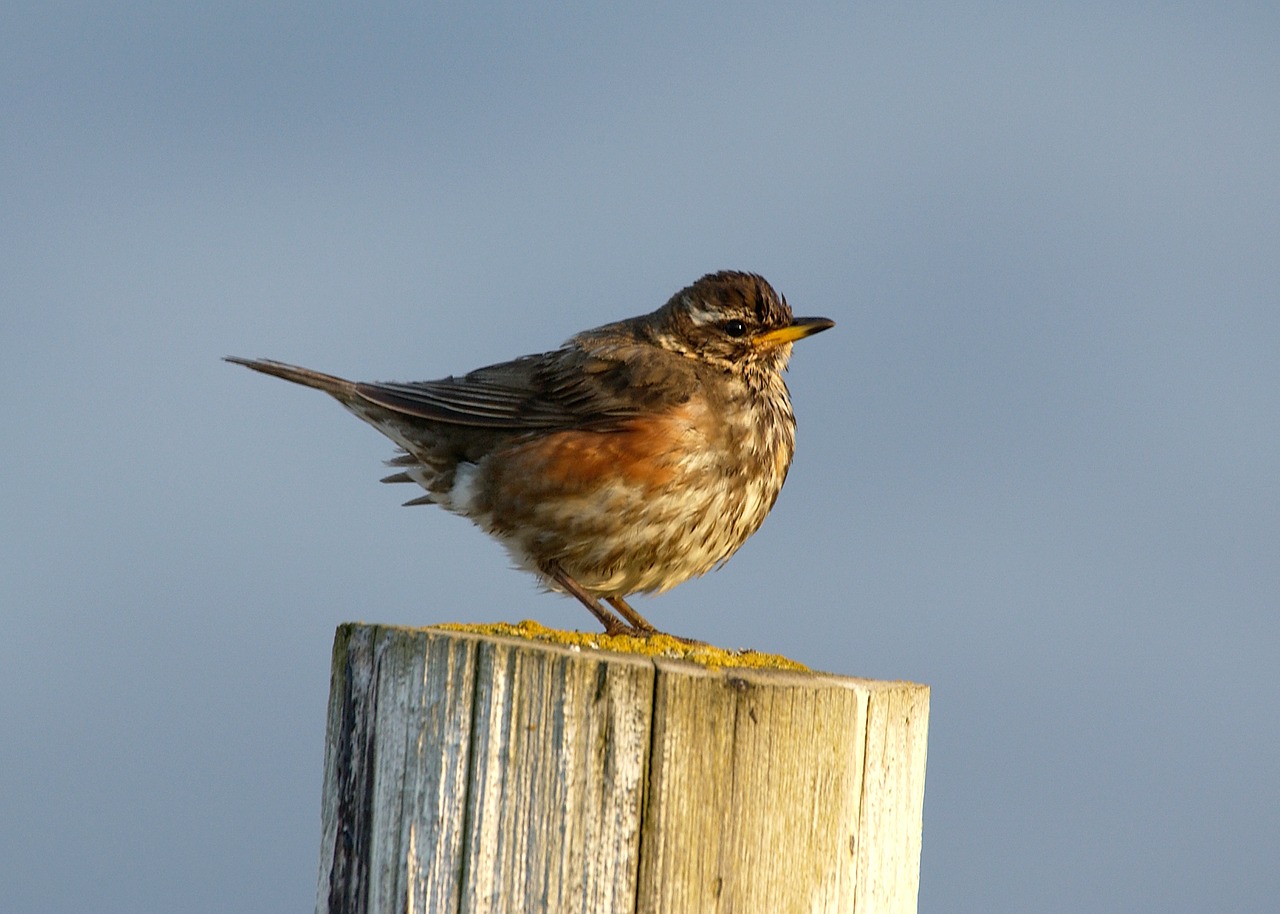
x,y
636,456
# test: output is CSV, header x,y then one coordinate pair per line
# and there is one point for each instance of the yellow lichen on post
x,y
656,645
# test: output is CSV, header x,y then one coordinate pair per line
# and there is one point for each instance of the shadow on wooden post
x,y
469,774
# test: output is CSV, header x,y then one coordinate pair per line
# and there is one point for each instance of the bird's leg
x,y
634,619
641,627
612,626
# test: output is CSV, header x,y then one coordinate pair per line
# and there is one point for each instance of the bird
x,y
636,456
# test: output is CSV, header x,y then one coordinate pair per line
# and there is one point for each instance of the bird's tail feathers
x,y
341,388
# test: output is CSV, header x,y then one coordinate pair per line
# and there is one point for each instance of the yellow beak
x,y
798,329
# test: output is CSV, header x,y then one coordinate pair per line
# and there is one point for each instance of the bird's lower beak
x,y
798,329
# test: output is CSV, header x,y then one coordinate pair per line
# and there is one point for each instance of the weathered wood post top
x,y
482,773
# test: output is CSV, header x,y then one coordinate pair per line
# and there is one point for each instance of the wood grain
x,y
477,773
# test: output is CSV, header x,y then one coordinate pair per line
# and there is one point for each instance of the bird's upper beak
x,y
798,329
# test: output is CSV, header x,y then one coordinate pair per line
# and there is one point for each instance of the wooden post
x,y
470,774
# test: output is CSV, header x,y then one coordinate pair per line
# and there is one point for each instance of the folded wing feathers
x,y
483,400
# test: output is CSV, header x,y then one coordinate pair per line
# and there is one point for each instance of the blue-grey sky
x,y
1038,455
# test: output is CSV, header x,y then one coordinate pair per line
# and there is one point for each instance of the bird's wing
x,y
571,387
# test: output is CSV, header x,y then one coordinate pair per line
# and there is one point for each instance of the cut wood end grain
x,y
658,645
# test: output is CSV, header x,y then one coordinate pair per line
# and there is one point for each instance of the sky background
x,y
1037,463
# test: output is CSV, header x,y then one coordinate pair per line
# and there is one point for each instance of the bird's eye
x,y
735,328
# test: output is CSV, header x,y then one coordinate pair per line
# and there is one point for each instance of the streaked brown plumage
x,y
638,455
